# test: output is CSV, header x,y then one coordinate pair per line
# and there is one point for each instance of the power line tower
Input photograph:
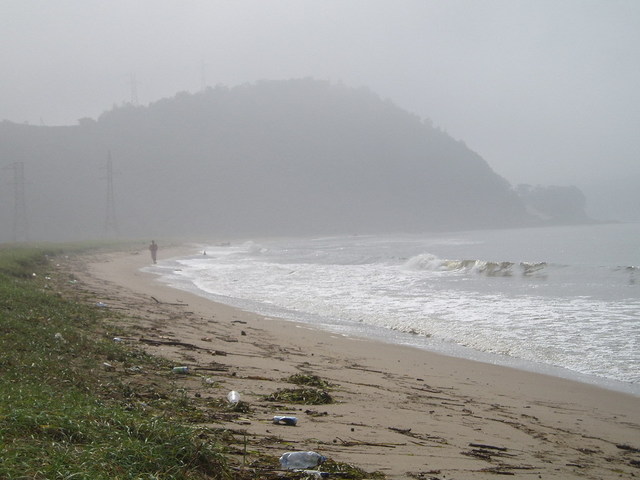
x,y
110,225
20,224
203,76
134,89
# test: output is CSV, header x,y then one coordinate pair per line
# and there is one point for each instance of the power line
x,y
110,225
203,76
134,89
20,224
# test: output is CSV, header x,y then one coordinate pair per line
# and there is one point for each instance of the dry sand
x,y
402,411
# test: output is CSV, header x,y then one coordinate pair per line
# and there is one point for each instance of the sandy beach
x,y
401,411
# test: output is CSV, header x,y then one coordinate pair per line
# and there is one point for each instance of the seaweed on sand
x,y
304,396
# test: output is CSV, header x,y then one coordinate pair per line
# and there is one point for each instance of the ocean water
x,y
559,300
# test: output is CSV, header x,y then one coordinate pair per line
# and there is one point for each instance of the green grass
x,y
64,417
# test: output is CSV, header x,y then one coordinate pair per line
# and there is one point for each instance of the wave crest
x,y
430,262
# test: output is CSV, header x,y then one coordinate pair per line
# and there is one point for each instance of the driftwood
x,y
628,448
176,343
497,471
400,430
482,445
166,303
217,368
353,443
354,367
427,388
419,436
487,453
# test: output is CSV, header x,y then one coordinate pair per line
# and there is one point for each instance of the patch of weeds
x,y
346,470
239,407
309,381
61,414
304,396
226,406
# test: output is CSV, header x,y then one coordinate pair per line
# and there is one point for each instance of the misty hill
x,y
554,204
277,157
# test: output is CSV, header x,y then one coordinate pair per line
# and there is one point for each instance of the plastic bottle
x,y
233,396
301,460
180,369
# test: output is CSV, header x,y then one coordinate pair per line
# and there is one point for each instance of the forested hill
x,y
276,157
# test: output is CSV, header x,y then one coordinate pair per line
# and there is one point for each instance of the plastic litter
x,y
101,304
180,369
301,460
285,420
233,396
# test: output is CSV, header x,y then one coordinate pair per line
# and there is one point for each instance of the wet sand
x,y
398,410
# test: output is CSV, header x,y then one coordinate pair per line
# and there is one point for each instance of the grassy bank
x,y
63,414
77,403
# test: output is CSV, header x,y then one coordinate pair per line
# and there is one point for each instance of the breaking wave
x,y
430,262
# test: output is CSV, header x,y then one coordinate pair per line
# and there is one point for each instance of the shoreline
x,y
429,410
380,334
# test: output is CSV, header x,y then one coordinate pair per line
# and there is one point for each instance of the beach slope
x,y
401,411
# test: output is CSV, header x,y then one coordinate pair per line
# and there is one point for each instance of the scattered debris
x,y
309,380
285,420
233,396
305,396
315,413
301,460
628,448
419,436
491,447
487,452
357,443
167,303
191,346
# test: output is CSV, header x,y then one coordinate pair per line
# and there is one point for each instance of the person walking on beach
x,y
153,248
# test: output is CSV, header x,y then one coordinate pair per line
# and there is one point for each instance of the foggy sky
x,y
545,90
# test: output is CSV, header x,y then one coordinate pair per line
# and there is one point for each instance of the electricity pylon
x,y
110,225
20,224
133,83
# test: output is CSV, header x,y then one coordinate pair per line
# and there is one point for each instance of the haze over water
x,y
561,300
